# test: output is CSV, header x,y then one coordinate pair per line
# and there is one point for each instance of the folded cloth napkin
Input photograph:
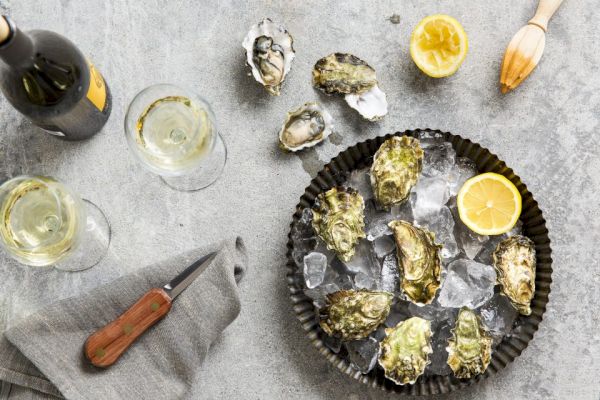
x,y
44,352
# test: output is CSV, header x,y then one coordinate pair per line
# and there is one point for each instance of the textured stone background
x,y
546,131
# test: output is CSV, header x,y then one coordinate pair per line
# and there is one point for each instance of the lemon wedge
x,y
438,45
489,204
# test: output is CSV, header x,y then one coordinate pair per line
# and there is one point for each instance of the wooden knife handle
x,y
545,11
105,346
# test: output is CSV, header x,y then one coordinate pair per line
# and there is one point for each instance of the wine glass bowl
x,y
173,133
44,223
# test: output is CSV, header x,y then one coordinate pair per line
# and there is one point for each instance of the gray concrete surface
x,y
546,131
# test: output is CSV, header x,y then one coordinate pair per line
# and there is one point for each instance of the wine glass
x,y
174,134
44,223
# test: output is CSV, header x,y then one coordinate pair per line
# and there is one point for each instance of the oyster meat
x,y
396,167
338,219
419,261
470,347
269,53
305,127
353,315
514,260
348,75
405,350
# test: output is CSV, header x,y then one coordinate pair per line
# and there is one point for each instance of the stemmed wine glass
x,y
44,223
173,133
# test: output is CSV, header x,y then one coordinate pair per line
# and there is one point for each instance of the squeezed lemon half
x,y
489,204
438,45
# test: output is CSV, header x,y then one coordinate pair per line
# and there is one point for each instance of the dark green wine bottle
x,y
47,79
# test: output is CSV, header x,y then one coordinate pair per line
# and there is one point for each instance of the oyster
x,y
514,260
338,218
305,127
269,53
396,167
419,261
353,315
405,350
470,347
349,75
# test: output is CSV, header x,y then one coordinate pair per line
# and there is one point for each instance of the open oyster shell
x,y
405,350
419,261
305,127
348,75
396,167
514,261
353,315
338,218
269,53
470,347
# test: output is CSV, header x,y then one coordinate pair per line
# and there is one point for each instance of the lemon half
x,y
438,45
489,204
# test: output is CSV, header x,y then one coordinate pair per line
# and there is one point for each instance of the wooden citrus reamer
x,y
526,47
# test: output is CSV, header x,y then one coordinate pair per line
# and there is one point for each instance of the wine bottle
x,y
48,80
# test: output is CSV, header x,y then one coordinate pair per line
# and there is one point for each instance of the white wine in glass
x,y
43,222
174,134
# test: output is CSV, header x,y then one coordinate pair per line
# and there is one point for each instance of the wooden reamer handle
x,y
545,11
105,346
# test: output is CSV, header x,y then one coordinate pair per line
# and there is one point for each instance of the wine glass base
x,y
94,243
205,174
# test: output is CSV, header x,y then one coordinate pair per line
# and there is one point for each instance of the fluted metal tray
x,y
534,226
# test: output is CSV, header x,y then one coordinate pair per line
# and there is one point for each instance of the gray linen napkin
x,y
47,347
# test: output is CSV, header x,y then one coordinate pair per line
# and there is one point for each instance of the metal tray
x,y
534,226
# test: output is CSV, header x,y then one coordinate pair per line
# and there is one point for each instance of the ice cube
x,y
399,312
315,265
383,245
438,159
364,281
429,138
442,225
402,211
364,260
467,283
498,315
332,343
363,354
376,220
360,180
433,312
470,242
462,170
390,275
431,195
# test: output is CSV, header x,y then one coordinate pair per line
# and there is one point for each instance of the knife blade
x,y
104,347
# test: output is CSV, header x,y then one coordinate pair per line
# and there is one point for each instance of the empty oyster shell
x,y
338,218
405,350
305,127
372,105
470,347
349,75
269,53
396,168
419,261
514,260
353,315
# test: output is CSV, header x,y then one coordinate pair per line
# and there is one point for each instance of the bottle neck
x,y
17,47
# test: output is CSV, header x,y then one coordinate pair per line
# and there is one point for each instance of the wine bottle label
x,y
97,90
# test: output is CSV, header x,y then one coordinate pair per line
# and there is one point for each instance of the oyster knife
x,y
104,347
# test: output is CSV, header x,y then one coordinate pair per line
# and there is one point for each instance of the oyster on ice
x,y
514,260
419,261
269,53
353,315
305,127
405,350
396,167
348,75
470,347
338,218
